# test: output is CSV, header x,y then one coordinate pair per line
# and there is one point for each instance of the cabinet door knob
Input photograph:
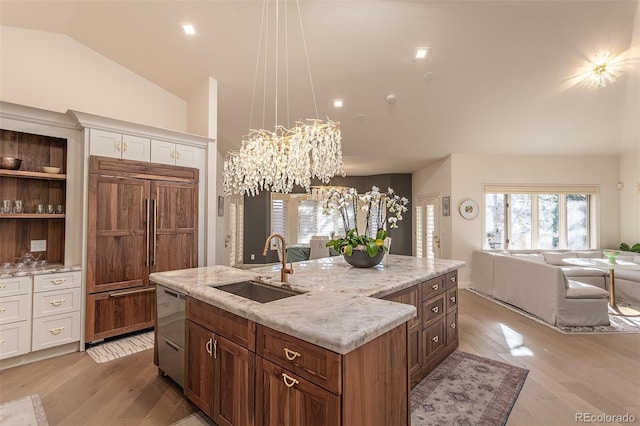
x,y
435,339
453,299
2,341
288,380
56,331
2,309
453,325
435,309
453,279
57,302
435,286
291,355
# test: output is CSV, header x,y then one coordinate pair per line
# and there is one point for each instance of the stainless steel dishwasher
x,y
171,320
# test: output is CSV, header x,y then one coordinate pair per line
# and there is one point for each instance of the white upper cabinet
x,y
176,154
118,145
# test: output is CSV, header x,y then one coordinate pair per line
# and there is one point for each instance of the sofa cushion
x,y
578,290
583,271
557,259
626,257
534,257
627,274
589,254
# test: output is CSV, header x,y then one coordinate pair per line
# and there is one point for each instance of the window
x,y
539,217
298,218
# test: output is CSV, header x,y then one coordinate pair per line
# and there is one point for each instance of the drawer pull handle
x,y
291,355
435,339
117,146
172,153
55,331
57,281
435,286
2,341
452,279
124,144
288,380
2,309
435,309
2,286
453,299
208,346
453,325
57,302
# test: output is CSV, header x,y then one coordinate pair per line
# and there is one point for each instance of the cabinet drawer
x,y
231,326
452,299
452,327
55,330
14,286
316,364
432,287
433,309
451,279
56,302
15,339
56,281
15,308
434,337
284,398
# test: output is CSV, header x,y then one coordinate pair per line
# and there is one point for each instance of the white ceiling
x,y
503,71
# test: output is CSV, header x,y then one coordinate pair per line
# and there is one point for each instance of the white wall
x,y
436,179
469,172
56,73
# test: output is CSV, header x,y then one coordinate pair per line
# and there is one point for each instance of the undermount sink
x,y
258,292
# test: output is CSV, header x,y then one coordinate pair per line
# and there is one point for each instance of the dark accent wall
x,y
257,215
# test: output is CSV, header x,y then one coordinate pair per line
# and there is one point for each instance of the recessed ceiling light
x,y
421,53
189,29
338,103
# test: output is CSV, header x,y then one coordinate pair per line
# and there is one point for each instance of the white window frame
x,y
592,191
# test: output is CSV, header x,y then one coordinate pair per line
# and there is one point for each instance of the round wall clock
x,y
468,209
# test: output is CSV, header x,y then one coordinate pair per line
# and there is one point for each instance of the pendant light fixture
x,y
276,160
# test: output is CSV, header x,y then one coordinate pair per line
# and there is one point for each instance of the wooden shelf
x,y
31,216
32,175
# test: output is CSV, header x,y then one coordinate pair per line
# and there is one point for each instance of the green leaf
x,y
636,248
348,249
381,234
372,248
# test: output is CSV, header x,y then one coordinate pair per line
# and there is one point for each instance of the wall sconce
x,y
603,70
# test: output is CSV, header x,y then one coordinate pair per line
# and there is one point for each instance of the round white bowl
x,y
53,170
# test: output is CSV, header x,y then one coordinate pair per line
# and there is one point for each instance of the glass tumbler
x,y
6,206
18,207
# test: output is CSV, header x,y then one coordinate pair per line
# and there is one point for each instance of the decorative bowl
x,y
611,254
54,170
10,163
361,259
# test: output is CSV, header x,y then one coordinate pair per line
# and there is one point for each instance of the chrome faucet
x,y
284,271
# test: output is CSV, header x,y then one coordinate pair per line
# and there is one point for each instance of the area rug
x,y
467,389
26,411
617,323
115,349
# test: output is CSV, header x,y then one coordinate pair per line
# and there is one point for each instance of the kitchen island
x,y
343,353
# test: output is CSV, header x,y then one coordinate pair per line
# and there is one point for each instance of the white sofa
x,y
559,296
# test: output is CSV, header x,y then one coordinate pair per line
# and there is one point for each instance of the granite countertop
x,y
339,309
8,270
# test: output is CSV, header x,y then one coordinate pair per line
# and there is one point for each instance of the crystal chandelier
x,y
604,70
287,156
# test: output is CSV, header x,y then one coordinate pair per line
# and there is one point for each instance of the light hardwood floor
x,y
569,374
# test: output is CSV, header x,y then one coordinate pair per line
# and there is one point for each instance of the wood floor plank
x,y
568,374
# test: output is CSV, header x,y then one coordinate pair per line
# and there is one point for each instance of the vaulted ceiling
x,y
500,76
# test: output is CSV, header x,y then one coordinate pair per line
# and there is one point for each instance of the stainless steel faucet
x,y
284,271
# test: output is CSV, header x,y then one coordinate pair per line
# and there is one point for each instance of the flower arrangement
x,y
379,208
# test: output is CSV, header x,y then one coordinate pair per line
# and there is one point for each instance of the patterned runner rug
x,y
24,411
627,323
467,389
108,351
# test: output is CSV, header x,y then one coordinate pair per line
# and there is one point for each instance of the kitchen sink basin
x,y
258,292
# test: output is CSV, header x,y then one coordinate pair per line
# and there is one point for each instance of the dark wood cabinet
x,y
434,333
199,367
219,373
142,218
284,398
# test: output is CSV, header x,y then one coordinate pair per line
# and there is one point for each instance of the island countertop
x,y
339,309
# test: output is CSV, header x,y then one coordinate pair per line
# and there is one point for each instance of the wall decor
x,y
468,209
446,206
220,206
